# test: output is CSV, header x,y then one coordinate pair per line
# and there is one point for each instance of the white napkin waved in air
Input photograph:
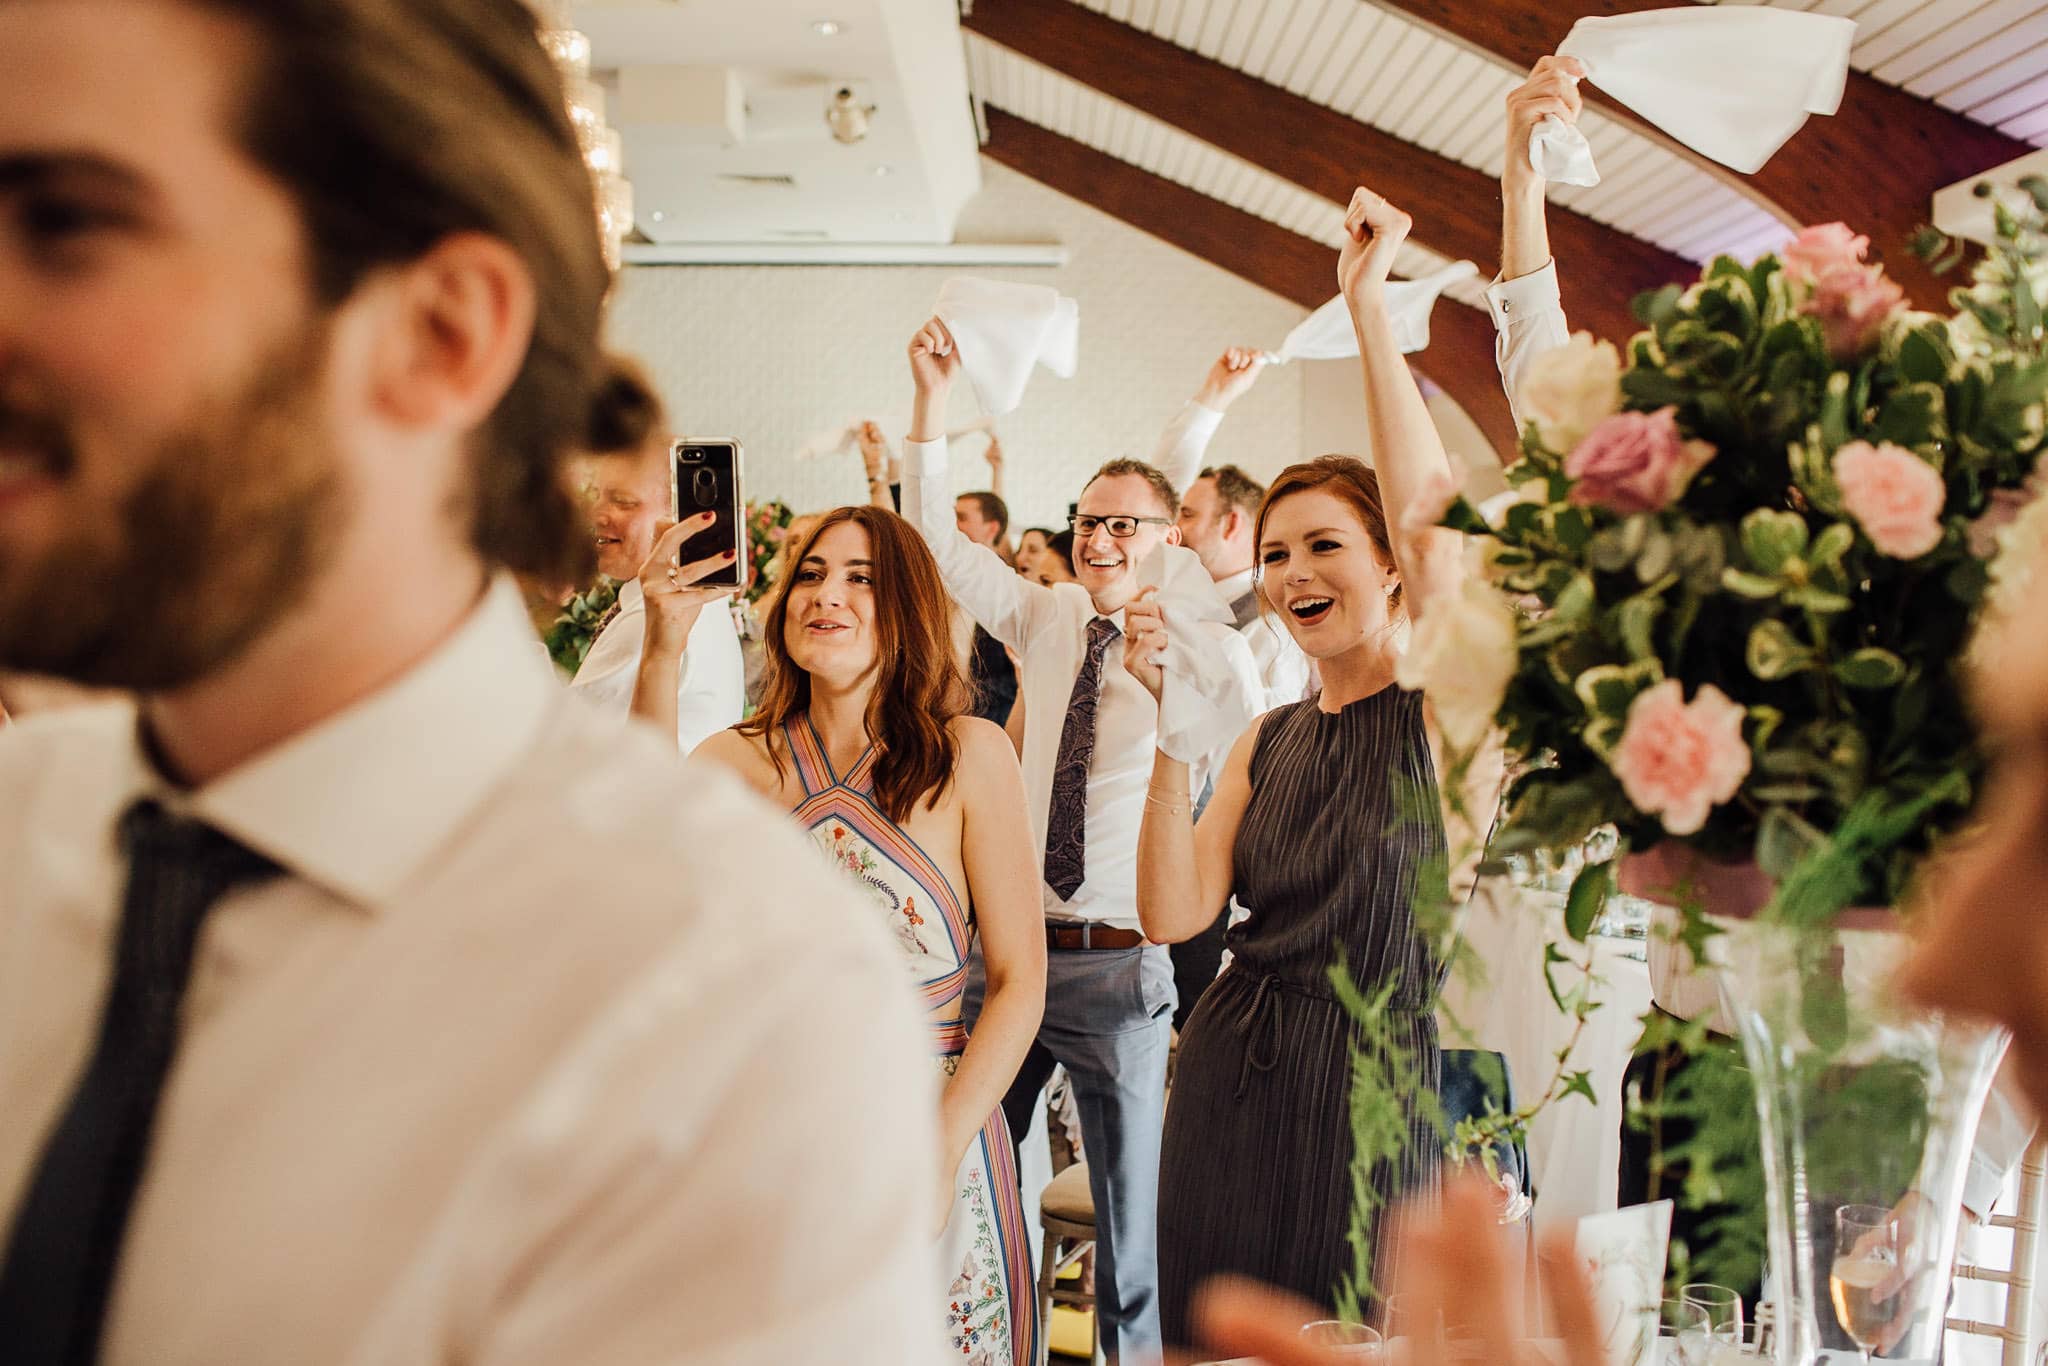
x,y
844,441
1327,334
1003,330
1201,710
1731,82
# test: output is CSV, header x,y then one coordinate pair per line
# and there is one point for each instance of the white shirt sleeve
x,y
2003,1133
711,692
1528,319
1182,445
1005,604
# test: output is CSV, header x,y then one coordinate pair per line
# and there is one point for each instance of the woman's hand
x,y
1373,233
874,451
1552,91
1144,638
934,361
1457,1264
674,602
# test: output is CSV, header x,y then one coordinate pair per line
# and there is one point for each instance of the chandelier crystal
x,y
604,151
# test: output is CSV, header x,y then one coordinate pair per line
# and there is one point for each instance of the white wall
x,y
774,355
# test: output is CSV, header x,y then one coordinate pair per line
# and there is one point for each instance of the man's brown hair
x,y
1169,498
397,123
625,412
1235,489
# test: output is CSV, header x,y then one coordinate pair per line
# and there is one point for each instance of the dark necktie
x,y
73,1214
1066,825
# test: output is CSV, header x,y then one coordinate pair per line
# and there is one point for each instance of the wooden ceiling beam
x,y
1874,165
1460,356
1457,210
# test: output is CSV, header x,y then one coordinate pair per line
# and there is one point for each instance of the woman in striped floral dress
x,y
862,734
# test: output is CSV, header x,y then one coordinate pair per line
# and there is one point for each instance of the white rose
x,y
1571,390
1462,655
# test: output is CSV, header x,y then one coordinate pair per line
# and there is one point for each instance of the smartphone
x,y
704,476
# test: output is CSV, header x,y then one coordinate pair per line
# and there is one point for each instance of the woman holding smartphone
x,y
863,735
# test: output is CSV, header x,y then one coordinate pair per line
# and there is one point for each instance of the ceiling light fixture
x,y
826,28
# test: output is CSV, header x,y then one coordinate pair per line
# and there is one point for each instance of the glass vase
x,y
1865,1103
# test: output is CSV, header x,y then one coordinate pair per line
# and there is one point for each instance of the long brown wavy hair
x,y
919,689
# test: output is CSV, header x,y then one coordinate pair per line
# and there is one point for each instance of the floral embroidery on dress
x,y
977,1303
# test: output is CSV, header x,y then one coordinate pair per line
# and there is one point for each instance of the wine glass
x,y
1723,1307
1866,1258
1684,1334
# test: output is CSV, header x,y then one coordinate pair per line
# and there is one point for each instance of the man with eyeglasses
x,y
1089,733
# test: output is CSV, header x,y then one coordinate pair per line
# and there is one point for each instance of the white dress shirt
x,y
1048,628
540,1051
711,687
1528,319
1283,668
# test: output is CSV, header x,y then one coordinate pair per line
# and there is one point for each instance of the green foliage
x,y
569,639
1758,581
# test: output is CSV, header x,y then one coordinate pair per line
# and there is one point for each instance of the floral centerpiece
x,y
1751,555
767,527
1725,610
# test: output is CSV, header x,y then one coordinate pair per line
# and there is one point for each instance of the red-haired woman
x,y
1327,824
864,735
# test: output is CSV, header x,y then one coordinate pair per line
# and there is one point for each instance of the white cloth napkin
x,y
1003,330
1731,82
1201,710
1327,334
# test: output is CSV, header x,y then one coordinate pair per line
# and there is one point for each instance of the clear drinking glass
x,y
1685,1335
1722,1305
1346,1339
1866,1263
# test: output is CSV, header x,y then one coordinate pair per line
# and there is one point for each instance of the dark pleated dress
x,y
1255,1166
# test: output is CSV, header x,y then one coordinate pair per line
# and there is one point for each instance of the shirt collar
x,y
1236,586
362,800
630,597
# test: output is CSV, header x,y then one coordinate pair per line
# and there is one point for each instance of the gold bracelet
x,y
1167,796
1170,808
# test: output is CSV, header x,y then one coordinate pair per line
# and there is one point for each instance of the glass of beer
x,y
1864,1276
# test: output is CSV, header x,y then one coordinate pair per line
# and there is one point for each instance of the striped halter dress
x,y
987,1296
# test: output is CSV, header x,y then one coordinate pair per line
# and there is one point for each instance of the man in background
x,y
680,670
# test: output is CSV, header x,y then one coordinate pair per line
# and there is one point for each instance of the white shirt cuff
x,y
925,458
1525,296
1200,415
1983,1183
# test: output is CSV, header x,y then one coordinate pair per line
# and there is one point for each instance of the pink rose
x,y
1851,299
1853,303
1678,760
1635,462
1894,495
1821,248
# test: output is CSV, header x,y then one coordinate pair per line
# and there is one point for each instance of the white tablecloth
x,y
1574,1147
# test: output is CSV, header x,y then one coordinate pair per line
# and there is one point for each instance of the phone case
x,y
705,476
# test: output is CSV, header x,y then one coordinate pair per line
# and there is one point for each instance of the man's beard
x,y
223,535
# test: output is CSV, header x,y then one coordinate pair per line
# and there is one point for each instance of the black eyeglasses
x,y
1121,527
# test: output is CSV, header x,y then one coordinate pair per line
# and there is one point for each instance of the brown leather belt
x,y
1091,937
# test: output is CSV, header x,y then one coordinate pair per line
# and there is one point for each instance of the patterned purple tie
x,y
1066,825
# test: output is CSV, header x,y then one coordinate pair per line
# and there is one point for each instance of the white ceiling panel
x,y
1987,59
1376,66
